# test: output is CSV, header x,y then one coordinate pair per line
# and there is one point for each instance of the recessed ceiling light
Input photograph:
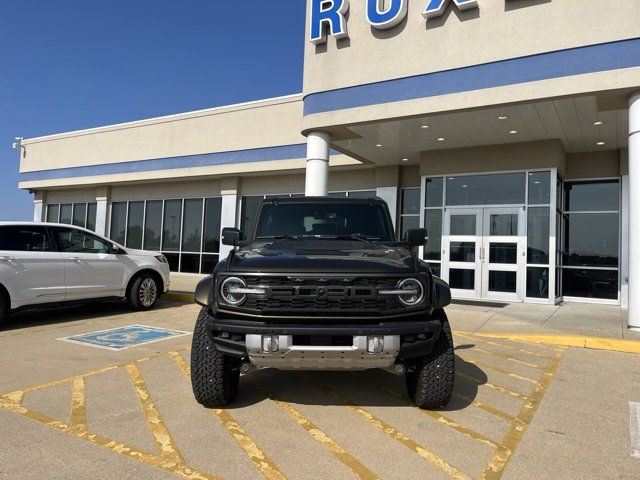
x,y
378,145
405,159
465,186
598,123
601,143
425,126
440,139
513,132
503,117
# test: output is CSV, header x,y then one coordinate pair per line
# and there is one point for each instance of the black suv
x,y
321,284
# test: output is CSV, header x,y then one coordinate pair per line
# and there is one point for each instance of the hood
x,y
141,253
333,256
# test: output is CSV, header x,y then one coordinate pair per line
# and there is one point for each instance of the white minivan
x,y
44,264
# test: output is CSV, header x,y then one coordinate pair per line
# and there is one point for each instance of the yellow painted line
x,y
78,404
348,460
128,451
500,370
487,408
167,447
449,422
263,463
507,357
595,343
498,462
412,445
501,345
493,386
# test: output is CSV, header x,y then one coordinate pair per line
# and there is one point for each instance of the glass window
x,y
174,261
153,225
209,262
52,213
65,213
504,253
502,281
601,284
433,224
250,207
79,214
71,240
411,201
408,223
118,221
212,212
134,227
592,196
537,282
462,252
435,269
591,239
337,194
363,194
501,189
434,192
463,225
539,188
190,262
92,211
462,279
24,239
192,226
538,235
503,224
172,224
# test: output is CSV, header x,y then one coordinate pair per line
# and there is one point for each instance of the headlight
x,y
415,292
233,291
161,258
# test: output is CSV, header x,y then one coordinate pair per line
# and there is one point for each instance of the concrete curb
x,y
594,343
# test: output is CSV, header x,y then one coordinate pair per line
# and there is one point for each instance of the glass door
x,y
503,254
461,259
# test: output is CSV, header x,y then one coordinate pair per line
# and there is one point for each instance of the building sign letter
x,y
383,18
436,8
328,14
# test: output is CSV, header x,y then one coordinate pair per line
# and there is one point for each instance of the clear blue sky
x,y
74,64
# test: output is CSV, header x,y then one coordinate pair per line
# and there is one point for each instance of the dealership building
x,y
510,129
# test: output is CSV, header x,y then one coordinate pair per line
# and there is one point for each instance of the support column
x,y
229,211
634,211
102,214
318,151
38,206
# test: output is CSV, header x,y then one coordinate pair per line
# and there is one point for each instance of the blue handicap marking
x,y
124,337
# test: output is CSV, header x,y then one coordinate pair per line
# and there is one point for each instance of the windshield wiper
x,y
357,237
279,237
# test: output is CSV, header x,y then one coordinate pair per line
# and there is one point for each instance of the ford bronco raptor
x,y
321,284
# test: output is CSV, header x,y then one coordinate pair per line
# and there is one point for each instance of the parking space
x,y
68,410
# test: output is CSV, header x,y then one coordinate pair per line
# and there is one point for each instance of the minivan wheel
x,y
143,293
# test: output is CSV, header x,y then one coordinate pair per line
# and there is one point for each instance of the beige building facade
x,y
510,129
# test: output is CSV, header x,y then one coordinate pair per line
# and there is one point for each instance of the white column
x,y
102,216
318,151
38,206
634,211
390,195
228,219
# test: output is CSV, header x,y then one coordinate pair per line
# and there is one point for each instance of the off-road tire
x,y
430,381
136,295
214,377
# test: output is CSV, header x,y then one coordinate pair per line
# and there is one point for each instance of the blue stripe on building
x,y
287,152
545,66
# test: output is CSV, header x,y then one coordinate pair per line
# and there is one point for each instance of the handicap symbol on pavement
x,y
124,337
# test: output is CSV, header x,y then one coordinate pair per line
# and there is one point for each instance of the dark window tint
x,y
192,226
134,227
118,221
537,282
601,284
538,236
592,196
591,239
24,239
79,214
508,188
66,211
434,192
209,262
462,252
153,225
462,279
52,213
502,281
435,269
174,261
433,224
75,241
408,223
411,201
212,212
190,263
539,188
249,212
92,209
503,225
462,225
321,219
172,223
503,253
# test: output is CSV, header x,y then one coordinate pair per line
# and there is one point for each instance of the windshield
x,y
324,220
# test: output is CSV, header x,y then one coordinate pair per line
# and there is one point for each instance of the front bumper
x,y
324,347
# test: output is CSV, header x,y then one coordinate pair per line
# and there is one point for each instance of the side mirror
x,y
231,236
417,237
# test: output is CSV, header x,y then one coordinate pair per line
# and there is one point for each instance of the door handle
x,y
7,258
74,259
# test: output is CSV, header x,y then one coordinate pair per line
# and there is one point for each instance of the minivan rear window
x,y
18,238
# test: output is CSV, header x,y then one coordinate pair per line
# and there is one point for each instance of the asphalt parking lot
x,y
521,410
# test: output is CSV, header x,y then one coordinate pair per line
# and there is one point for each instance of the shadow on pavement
x,y
373,388
71,313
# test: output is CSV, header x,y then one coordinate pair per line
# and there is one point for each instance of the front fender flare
x,y
203,291
442,294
